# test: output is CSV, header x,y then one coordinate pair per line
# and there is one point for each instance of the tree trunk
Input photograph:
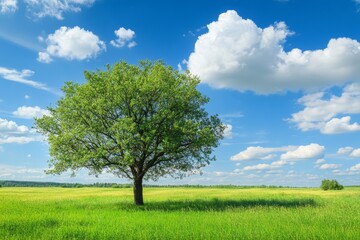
x,y
138,192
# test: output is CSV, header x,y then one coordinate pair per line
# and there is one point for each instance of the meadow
x,y
179,213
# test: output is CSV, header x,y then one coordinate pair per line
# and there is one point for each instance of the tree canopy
x,y
138,122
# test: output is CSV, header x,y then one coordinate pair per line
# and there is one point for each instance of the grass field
x,y
179,213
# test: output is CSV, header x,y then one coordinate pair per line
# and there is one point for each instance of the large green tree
x,y
138,122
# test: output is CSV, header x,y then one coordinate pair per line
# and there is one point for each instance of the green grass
x,y
179,213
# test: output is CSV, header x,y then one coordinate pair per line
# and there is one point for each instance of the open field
x,y
179,213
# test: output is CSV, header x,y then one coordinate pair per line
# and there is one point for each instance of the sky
x,y
283,76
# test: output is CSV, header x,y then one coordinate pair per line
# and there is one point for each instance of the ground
x,y
179,213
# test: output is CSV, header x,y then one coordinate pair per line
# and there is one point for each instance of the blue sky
x,y
283,75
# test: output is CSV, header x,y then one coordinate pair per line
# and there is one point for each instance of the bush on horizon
x,y
327,184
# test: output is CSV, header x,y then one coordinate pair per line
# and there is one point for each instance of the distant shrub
x,y
327,184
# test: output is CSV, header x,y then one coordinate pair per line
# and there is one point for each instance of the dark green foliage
x,y
327,184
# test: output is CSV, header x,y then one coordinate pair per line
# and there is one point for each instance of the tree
x,y
327,184
138,122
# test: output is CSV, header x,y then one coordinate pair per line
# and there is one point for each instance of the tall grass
x,y
179,213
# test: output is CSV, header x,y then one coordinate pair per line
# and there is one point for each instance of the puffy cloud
x,y
235,53
355,167
44,57
289,157
254,153
11,132
339,125
30,112
345,150
21,77
329,166
319,161
55,8
291,153
355,153
310,151
72,44
8,6
124,38
7,127
320,113
349,152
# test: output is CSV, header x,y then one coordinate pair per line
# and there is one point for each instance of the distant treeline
x,y
116,185
65,185
126,185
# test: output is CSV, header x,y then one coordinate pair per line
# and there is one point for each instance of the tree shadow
x,y
219,205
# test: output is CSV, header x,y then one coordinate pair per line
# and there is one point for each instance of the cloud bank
x,y
237,54
329,115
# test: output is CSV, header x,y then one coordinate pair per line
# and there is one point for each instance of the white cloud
x,y
19,140
349,152
339,125
132,44
264,166
345,150
124,38
11,132
292,153
329,166
228,131
7,127
280,163
310,151
254,153
319,161
259,167
8,6
289,157
55,8
355,167
355,153
44,57
235,53
21,77
30,112
27,97
320,113
72,44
